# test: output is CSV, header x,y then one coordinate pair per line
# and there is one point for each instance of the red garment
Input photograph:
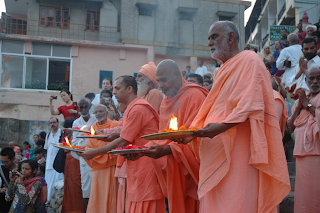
x,y
318,49
64,110
28,185
303,34
72,199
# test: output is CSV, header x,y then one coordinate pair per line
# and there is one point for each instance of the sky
x,y
2,6
246,13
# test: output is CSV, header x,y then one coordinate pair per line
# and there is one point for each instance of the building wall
x,y
87,61
170,35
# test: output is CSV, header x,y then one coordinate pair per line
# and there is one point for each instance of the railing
x,y
264,40
71,31
283,9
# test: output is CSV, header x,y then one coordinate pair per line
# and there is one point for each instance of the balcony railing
x,y
265,39
72,31
283,9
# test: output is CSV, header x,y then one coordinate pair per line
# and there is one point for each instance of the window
x,y
47,68
225,18
54,17
92,20
144,11
185,16
16,26
104,74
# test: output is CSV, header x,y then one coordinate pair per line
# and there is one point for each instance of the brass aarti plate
x,y
169,135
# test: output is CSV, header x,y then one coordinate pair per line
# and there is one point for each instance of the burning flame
x,y
82,128
92,131
67,141
173,123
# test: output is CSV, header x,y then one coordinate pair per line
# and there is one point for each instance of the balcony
x,y
281,12
9,25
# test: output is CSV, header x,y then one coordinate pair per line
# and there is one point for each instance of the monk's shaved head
x,y
313,80
101,113
169,77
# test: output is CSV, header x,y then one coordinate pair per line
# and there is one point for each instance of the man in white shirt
x,y
86,172
310,59
201,70
106,85
289,58
51,175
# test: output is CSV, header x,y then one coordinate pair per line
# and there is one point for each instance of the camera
x,y
54,97
14,173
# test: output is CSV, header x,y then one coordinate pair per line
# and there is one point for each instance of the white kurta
x,y
292,54
201,70
85,169
51,175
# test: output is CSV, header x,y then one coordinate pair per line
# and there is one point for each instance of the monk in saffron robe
x,y
103,194
281,109
305,124
178,171
148,84
140,118
72,178
242,163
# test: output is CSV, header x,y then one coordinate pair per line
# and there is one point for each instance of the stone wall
x,y
21,130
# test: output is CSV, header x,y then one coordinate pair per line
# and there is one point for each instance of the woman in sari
x,y
25,189
279,46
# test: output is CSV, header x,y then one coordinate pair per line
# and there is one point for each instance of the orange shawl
x,y
284,116
102,161
242,91
312,131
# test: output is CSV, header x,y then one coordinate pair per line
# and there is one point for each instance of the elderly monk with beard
x,y
103,194
305,124
140,118
148,84
178,171
242,163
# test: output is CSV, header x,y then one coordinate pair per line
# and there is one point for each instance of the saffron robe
x,y
103,194
154,98
243,168
143,190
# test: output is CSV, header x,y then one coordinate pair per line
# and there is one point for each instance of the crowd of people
x,y
234,161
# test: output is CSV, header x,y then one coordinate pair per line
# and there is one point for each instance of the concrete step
x,y
287,205
292,168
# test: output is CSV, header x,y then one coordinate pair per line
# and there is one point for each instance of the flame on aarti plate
x,y
92,131
82,128
173,123
67,141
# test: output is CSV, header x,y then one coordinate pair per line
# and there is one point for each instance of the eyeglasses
x,y
5,162
53,122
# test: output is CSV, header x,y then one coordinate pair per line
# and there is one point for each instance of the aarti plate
x,y
78,130
67,148
169,135
125,151
92,136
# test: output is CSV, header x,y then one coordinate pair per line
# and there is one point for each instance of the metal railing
x,y
11,25
283,9
265,39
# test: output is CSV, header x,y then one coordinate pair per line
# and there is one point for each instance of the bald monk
x,y
140,118
103,194
179,173
305,124
242,163
148,84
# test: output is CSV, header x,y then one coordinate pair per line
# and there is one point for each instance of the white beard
x,y
143,87
221,49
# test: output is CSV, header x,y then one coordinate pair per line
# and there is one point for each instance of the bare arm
x,y
52,110
303,65
91,153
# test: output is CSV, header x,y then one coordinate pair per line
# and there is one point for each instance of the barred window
x,y
54,17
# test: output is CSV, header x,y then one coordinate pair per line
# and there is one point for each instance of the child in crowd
x,y
26,151
40,144
25,189
39,155
20,155
40,174
34,147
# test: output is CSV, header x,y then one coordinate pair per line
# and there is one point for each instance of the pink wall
x,y
182,61
86,67
87,61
